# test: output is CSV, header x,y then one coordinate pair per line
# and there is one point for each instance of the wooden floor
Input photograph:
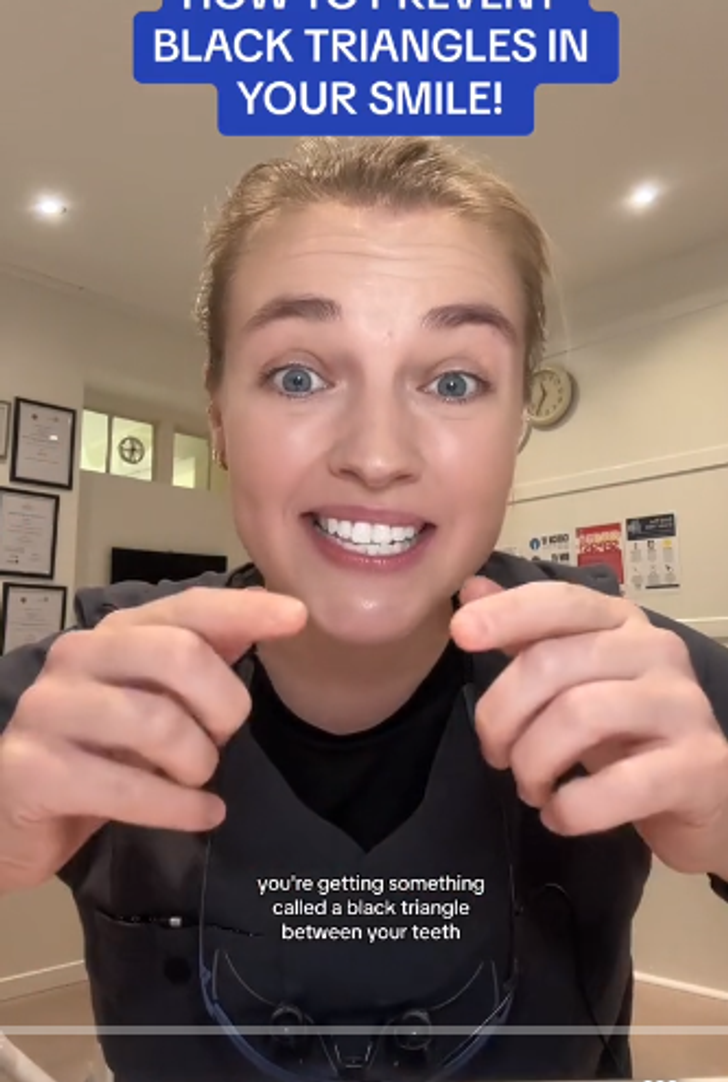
x,y
67,1059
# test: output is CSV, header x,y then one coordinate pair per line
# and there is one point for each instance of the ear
x,y
217,434
525,430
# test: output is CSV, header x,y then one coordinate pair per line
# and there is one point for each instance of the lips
x,y
372,515
366,538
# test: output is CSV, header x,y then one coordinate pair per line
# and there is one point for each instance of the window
x,y
118,445
191,461
132,448
94,441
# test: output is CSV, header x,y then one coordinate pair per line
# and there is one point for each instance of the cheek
x,y
476,484
268,457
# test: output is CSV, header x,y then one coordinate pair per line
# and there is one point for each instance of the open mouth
x,y
374,539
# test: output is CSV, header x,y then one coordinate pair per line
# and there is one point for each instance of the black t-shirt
x,y
367,784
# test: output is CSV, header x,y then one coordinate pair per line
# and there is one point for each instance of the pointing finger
x,y
230,621
539,610
477,587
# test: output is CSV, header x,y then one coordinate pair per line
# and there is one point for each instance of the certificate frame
x,y
29,467
45,568
50,623
5,414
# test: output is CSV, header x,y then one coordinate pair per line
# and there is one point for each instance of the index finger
x,y
536,611
230,621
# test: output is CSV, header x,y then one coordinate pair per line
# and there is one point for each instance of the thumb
x,y
477,587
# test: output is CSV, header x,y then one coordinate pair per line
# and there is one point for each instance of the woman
x,y
382,802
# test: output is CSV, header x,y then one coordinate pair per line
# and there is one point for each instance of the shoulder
x,y
20,668
510,571
92,604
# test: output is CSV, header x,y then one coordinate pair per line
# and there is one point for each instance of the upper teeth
x,y
367,533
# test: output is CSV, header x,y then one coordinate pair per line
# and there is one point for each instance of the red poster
x,y
601,545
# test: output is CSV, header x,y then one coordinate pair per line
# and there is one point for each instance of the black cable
x,y
580,973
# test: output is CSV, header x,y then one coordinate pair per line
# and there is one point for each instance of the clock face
x,y
552,392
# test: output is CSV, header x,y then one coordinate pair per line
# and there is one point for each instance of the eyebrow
x,y
314,309
310,308
452,316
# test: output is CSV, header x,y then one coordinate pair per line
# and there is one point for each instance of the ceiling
x,y
141,165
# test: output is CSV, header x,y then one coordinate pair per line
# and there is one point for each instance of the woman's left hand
x,y
593,682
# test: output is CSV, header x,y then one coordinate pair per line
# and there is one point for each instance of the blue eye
x,y
458,386
296,381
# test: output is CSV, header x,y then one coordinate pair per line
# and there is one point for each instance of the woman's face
x,y
370,410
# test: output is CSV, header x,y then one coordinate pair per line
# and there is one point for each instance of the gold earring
x,y
218,459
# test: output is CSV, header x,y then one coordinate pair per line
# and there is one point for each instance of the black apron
x,y
195,978
415,934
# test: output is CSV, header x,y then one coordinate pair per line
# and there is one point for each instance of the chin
x,y
364,623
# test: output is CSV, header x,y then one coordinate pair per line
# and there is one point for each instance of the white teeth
x,y
371,539
404,533
361,533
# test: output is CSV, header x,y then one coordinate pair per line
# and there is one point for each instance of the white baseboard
x,y
625,473
681,986
42,980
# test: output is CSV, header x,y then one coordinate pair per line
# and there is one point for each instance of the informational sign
x,y
555,547
601,545
653,553
30,613
559,548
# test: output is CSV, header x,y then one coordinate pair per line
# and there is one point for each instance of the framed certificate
x,y
30,613
44,444
4,430
28,533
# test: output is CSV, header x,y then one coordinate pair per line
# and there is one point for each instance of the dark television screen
x,y
144,565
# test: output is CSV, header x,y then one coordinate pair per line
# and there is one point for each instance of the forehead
x,y
371,259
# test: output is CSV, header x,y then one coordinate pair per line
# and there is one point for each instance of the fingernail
x,y
216,813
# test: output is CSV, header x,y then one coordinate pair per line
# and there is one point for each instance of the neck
x,y
345,688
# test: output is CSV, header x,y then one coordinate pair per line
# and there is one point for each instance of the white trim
x,y
579,333
715,627
42,980
708,458
681,986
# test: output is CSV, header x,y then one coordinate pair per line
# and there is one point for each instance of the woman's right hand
x,y
126,722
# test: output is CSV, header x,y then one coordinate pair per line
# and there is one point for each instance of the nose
x,y
378,444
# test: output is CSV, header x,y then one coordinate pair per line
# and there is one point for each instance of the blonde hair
x,y
398,173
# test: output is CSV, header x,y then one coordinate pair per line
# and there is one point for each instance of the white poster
x,y
652,553
28,525
44,444
557,548
31,614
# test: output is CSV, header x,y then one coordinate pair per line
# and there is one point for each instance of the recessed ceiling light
x,y
643,196
50,206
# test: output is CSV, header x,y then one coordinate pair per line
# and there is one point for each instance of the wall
x,y
53,342
650,435
140,514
